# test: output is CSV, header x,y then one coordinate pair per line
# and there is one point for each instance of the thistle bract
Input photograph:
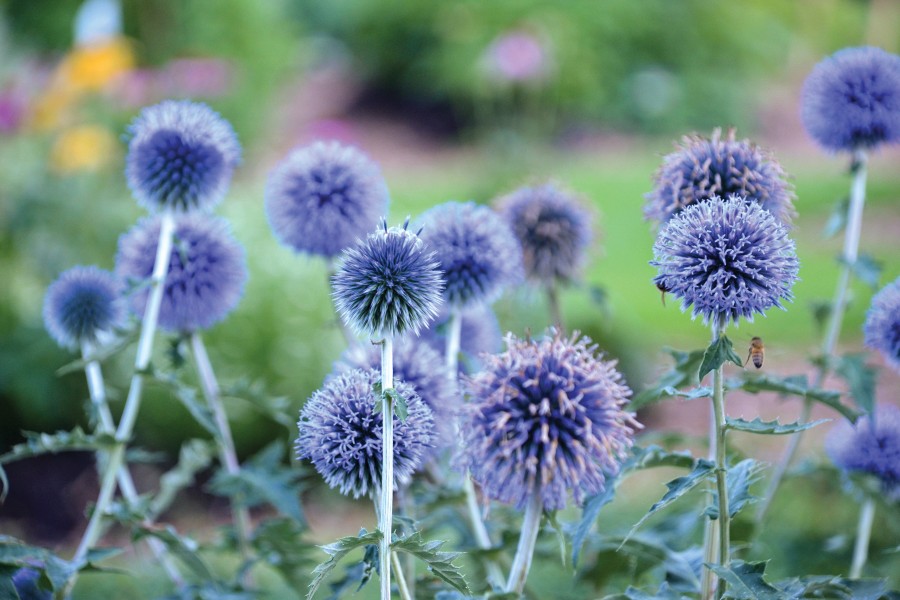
x,y
420,367
322,198
553,228
851,100
546,417
388,283
882,327
180,157
871,446
726,259
206,274
716,166
478,254
82,305
479,334
340,433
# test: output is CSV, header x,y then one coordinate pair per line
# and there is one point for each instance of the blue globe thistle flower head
x,y
422,368
719,166
479,334
546,417
180,156
26,582
324,197
851,100
83,305
726,260
340,433
882,326
553,228
388,284
477,251
206,276
872,445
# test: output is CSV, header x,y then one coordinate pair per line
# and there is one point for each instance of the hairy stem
x,y
863,534
405,594
385,514
224,441
721,474
133,401
850,255
531,524
555,307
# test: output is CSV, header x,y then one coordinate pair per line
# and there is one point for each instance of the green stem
x,y
224,441
531,524
405,594
721,474
863,535
133,401
555,307
850,255
385,514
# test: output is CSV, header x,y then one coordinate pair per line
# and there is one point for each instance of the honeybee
x,y
663,289
757,352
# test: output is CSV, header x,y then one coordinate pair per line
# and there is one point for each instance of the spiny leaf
x,y
397,400
821,311
746,582
180,546
439,563
830,586
99,355
683,373
797,385
36,444
632,593
54,569
189,399
866,269
277,408
860,378
194,456
677,488
336,552
716,355
757,425
654,552
280,540
738,478
838,218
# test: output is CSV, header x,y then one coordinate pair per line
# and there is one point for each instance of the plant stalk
x,y
555,307
721,475
133,401
863,535
531,524
850,256
385,514
405,594
224,441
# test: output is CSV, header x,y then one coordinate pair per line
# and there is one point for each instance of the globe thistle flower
x,y
851,100
206,275
340,433
83,305
872,446
388,284
728,259
478,253
546,417
716,166
180,156
882,327
553,228
422,368
479,333
322,198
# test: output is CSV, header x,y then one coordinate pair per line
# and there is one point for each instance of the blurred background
x,y
456,100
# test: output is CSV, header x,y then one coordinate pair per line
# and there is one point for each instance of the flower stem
x,y
850,255
133,401
224,441
531,524
721,474
97,391
451,351
863,534
405,594
555,307
385,514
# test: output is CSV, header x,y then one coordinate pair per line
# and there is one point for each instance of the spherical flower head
x,y
727,259
851,100
83,305
421,367
477,251
340,433
872,446
546,417
553,228
180,156
388,283
322,198
479,334
702,167
882,327
206,275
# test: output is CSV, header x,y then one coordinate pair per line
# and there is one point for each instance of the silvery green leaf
x,y
439,563
716,355
683,373
860,378
757,425
36,444
738,478
336,551
745,581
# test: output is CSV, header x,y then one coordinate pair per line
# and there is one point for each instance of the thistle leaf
x,y
830,586
738,478
757,425
336,551
439,563
632,593
180,546
194,456
716,355
746,582
795,385
36,444
683,373
860,378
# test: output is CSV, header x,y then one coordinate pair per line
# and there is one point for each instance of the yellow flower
x,y
82,148
91,67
